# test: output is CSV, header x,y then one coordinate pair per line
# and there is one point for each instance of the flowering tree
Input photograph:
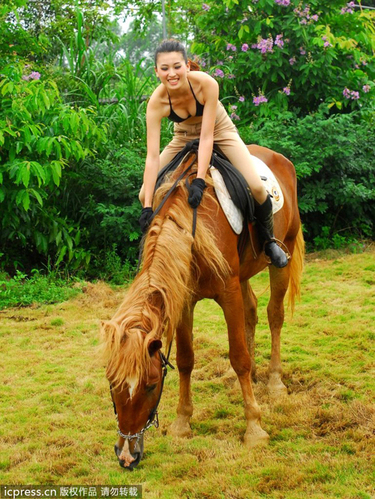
x,y
272,56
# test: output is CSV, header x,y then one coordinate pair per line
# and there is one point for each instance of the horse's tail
x,y
296,268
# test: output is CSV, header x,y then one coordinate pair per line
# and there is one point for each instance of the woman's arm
x,y
211,96
153,119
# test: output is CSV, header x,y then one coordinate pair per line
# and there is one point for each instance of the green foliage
x,y
102,196
21,291
333,156
40,137
279,56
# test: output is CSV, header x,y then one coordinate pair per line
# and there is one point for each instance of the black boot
x,y
264,218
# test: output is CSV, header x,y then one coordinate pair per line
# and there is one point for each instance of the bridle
x,y
153,418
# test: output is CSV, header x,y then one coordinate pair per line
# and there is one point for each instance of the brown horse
x,y
178,270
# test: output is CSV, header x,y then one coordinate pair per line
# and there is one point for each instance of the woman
x,y
190,98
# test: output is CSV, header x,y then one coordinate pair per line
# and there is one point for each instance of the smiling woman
x,y
190,98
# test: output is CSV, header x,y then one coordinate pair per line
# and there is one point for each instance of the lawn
x,y
57,419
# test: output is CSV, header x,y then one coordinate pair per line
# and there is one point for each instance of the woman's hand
x,y
197,187
145,218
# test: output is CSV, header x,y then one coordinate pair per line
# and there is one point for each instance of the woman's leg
x,y
237,153
231,144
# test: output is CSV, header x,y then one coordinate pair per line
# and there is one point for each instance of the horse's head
x,y
135,370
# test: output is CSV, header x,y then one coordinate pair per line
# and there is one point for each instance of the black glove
x,y
197,187
145,218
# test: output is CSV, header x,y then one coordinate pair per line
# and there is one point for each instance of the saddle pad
x,y
232,212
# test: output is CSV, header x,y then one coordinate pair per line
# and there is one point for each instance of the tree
x,y
288,55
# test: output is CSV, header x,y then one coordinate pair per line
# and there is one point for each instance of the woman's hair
x,y
175,46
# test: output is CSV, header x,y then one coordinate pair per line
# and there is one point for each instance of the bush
x,y
40,139
276,55
22,291
102,196
334,160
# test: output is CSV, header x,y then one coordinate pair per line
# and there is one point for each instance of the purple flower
x,y
219,72
303,21
286,90
327,44
284,3
219,63
354,95
264,45
32,76
235,116
241,99
292,60
205,6
245,47
302,51
233,107
315,17
258,100
346,93
348,9
231,76
279,41
366,88
231,47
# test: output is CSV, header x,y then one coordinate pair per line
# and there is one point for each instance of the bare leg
x,y
185,364
251,319
279,279
232,305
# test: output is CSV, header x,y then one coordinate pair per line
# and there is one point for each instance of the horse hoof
x,y
260,438
277,390
180,429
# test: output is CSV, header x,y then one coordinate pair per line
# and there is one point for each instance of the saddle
x,y
234,181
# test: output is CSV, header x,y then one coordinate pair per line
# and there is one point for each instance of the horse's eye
x,y
150,388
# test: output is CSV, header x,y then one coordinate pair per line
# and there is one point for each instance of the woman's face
x,y
171,69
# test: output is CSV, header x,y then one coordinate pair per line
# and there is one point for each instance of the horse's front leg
x,y
279,279
251,319
185,364
232,304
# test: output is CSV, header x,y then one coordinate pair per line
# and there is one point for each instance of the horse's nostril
x,y
137,456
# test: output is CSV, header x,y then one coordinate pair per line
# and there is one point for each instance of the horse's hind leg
x,y
279,279
185,364
232,304
251,319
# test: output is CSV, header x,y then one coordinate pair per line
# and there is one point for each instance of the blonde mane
x,y
154,303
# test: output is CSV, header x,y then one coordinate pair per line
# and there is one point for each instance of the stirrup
x,y
281,245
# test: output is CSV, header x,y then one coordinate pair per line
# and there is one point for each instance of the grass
x,y
58,425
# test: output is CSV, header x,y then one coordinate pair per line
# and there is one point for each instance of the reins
x,y
164,200
153,418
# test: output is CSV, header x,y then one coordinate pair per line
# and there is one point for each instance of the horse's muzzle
x,y
137,454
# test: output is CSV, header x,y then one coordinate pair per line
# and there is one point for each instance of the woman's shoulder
x,y
158,102
203,80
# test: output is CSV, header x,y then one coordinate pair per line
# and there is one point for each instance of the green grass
x,y
57,422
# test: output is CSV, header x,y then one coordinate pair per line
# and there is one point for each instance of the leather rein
x,y
153,418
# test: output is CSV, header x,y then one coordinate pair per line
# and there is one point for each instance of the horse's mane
x,y
154,303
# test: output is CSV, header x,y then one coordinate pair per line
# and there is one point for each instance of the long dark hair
x,y
175,46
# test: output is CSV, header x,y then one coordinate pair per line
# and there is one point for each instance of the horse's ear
x,y
154,346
